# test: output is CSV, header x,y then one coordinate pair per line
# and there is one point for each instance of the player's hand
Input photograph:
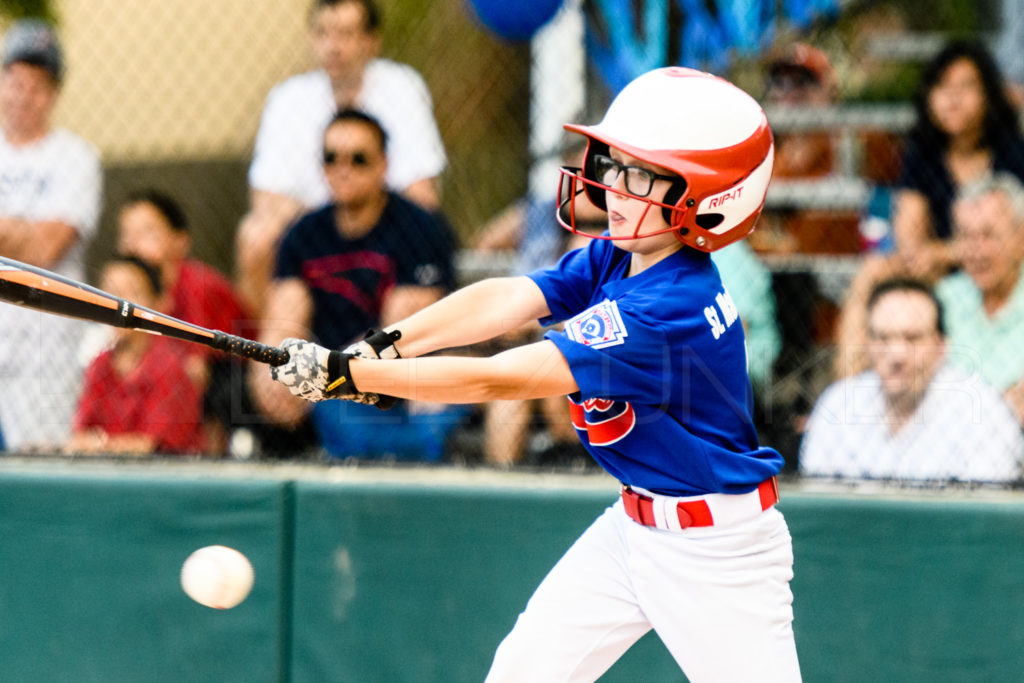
x,y
317,374
378,344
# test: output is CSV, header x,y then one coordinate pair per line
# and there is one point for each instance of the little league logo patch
x,y
598,326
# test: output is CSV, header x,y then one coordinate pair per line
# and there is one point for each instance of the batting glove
x,y
378,344
317,374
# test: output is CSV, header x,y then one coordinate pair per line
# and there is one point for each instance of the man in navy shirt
x,y
367,259
652,359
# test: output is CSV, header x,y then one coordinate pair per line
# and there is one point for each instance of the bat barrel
x,y
25,285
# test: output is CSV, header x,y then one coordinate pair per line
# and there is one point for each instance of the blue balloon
x,y
514,19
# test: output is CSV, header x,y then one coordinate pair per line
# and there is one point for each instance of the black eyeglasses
x,y
356,159
639,181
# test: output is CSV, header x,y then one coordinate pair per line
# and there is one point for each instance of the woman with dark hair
x,y
966,128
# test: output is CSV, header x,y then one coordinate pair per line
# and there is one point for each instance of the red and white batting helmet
x,y
701,127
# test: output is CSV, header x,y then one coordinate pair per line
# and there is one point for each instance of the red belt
x,y
714,508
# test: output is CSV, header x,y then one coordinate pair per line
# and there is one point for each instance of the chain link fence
x,y
171,94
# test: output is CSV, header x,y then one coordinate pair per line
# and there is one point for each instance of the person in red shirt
x,y
137,397
153,227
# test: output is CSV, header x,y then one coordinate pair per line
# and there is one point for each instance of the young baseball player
x,y
652,359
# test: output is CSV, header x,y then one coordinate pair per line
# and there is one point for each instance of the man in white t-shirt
x,y
911,416
286,176
50,189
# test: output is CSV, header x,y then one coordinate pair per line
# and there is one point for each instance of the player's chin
x,y
630,244
623,233
649,243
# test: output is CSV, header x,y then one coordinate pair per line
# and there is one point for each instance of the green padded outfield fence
x,y
416,575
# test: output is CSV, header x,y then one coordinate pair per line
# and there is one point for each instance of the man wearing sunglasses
x,y
369,258
285,177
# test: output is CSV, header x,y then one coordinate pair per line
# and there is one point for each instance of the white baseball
x,y
217,576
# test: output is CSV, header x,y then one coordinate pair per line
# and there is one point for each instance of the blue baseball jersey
x,y
664,400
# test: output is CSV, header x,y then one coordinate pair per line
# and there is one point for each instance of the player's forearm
x,y
476,313
532,371
12,237
38,243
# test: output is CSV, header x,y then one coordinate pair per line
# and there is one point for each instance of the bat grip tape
x,y
248,348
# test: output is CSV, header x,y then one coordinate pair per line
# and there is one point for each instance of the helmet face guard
x,y
572,183
707,131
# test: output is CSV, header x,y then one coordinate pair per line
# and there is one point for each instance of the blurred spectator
x,y
368,259
912,415
802,76
984,301
966,128
153,226
286,177
798,77
137,398
50,188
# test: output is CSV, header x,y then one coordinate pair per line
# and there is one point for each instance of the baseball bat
x,y
25,285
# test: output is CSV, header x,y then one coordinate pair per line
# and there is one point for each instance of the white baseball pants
x,y
718,597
